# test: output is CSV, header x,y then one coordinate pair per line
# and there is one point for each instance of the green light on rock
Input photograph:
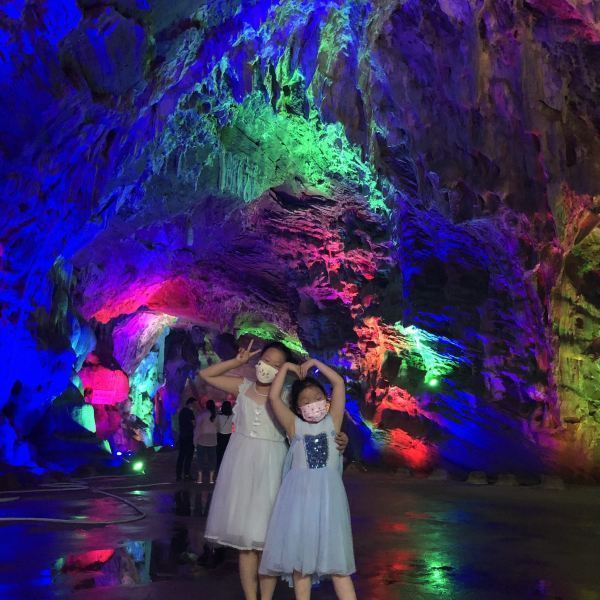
x,y
303,149
436,355
247,324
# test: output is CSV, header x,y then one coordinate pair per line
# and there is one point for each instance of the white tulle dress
x,y
309,530
249,477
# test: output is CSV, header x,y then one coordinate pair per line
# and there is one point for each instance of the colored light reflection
x,y
387,568
393,527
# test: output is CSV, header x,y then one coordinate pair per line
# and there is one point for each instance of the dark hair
x,y
289,357
210,405
226,408
189,401
298,387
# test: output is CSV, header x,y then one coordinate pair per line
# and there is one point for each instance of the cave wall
x,y
408,189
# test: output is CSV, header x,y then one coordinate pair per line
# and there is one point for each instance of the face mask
x,y
315,411
265,373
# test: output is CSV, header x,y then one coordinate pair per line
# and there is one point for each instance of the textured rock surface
x,y
407,189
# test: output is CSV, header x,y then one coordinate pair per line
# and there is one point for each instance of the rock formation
x,y
407,189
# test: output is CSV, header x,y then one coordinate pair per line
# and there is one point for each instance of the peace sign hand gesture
x,y
245,354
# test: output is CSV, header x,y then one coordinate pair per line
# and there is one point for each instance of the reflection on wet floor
x,y
192,503
413,539
125,565
134,563
141,562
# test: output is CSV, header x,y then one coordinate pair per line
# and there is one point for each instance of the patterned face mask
x,y
315,411
265,373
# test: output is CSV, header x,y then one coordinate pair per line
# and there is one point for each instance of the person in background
x,y
186,420
205,440
224,425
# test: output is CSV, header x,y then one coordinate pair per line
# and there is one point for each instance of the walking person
x,y
205,440
186,420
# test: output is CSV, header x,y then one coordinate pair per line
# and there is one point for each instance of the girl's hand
x,y
341,441
245,354
306,366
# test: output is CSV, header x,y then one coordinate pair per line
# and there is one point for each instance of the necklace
x,y
256,390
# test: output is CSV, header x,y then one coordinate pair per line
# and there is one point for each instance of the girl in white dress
x,y
250,474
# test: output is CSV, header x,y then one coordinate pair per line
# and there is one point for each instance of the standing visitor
x,y
205,440
224,425
186,440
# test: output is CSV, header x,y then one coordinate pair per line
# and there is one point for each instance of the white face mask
x,y
315,411
265,373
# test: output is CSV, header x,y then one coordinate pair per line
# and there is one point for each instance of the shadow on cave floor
x,y
414,539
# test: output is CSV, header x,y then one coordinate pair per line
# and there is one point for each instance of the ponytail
x,y
210,405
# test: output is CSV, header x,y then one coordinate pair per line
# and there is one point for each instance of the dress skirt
x,y
245,491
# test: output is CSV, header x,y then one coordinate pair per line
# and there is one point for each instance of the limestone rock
x,y
506,479
439,475
477,478
107,51
552,482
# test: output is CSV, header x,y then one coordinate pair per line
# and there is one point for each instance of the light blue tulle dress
x,y
309,530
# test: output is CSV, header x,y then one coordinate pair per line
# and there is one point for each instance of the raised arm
x,y
338,392
215,374
283,414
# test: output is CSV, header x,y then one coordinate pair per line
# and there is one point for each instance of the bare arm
x,y
284,415
215,374
338,392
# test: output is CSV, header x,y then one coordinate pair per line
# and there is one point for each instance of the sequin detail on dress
x,y
317,450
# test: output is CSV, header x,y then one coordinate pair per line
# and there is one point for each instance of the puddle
x,y
137,563
128,564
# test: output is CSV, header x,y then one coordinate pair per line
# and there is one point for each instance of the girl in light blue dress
x,y
309,535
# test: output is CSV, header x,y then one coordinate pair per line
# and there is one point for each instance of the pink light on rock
x,y
178,296
107,386
126,300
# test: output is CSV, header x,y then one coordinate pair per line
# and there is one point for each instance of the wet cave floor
x,y
414,539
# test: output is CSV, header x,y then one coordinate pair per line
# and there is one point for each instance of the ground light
x,y
138,466
433,382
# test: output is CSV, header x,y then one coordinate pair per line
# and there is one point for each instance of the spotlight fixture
x,y
138,466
